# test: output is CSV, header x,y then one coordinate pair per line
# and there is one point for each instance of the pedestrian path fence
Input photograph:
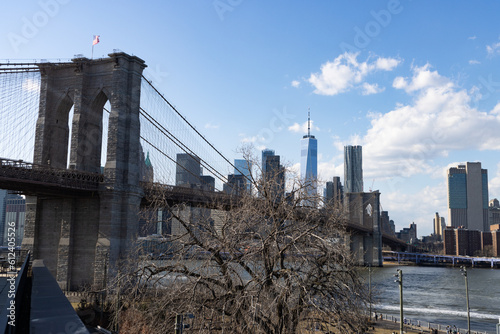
x,y
417,325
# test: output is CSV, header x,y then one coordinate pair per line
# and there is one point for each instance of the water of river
x,y
437,295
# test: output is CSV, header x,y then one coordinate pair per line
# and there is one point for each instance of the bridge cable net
x,y
166,133
19,104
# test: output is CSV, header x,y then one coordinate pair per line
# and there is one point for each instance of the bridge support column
x,y
63,232
30,224
364,210
120,194
358,248
64,249
82,238
117,234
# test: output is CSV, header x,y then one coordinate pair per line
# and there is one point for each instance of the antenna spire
x,y
308,122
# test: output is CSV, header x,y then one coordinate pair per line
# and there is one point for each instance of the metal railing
x,y
47,175
418,325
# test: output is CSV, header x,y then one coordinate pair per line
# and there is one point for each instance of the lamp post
x,y
400,282
178,324
370,288
463,269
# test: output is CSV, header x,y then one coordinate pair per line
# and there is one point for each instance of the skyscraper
x,y
353,169
334,192
3,194
207,182
309,161
15,212
468,196
243,167
266,153
236,184
439,226
187,171
273,173
493,211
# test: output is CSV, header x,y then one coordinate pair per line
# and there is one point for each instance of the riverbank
x,y
387,326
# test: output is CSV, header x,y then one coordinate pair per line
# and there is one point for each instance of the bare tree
x,y
264,262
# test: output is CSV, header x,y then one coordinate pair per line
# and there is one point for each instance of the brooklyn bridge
x,y
80,139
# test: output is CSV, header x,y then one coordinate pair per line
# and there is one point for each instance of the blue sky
x,y
417,83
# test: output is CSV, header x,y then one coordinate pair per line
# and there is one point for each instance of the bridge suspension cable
x,y
179,144
19,103
192,127
158,150
164,130
162,123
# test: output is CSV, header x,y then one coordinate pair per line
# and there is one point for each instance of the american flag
x,y
96,40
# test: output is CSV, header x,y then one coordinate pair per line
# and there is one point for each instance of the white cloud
x,y
302,128
295,168
399,83
345,73
475,93
211,126
405,140
472,37
422,77
369,89
353,140
419,207
328,169
251,140
474,62
494,184
387,64
295,83
496,109
493,49
292,174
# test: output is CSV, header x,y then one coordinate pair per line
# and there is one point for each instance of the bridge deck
x,y
32,179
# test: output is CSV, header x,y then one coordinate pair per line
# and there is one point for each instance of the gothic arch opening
x,y
60,134
105,125
94,131
87,137
70,127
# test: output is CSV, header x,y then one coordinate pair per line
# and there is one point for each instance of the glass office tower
x,y
309,161
353,169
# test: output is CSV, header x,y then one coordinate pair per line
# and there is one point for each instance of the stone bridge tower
x,y
82,238
363,209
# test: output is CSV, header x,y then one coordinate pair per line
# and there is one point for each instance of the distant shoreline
x,y
439,265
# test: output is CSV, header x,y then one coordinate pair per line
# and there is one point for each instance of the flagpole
x,y
94,42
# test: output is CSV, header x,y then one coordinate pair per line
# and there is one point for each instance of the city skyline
x,y
419,98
